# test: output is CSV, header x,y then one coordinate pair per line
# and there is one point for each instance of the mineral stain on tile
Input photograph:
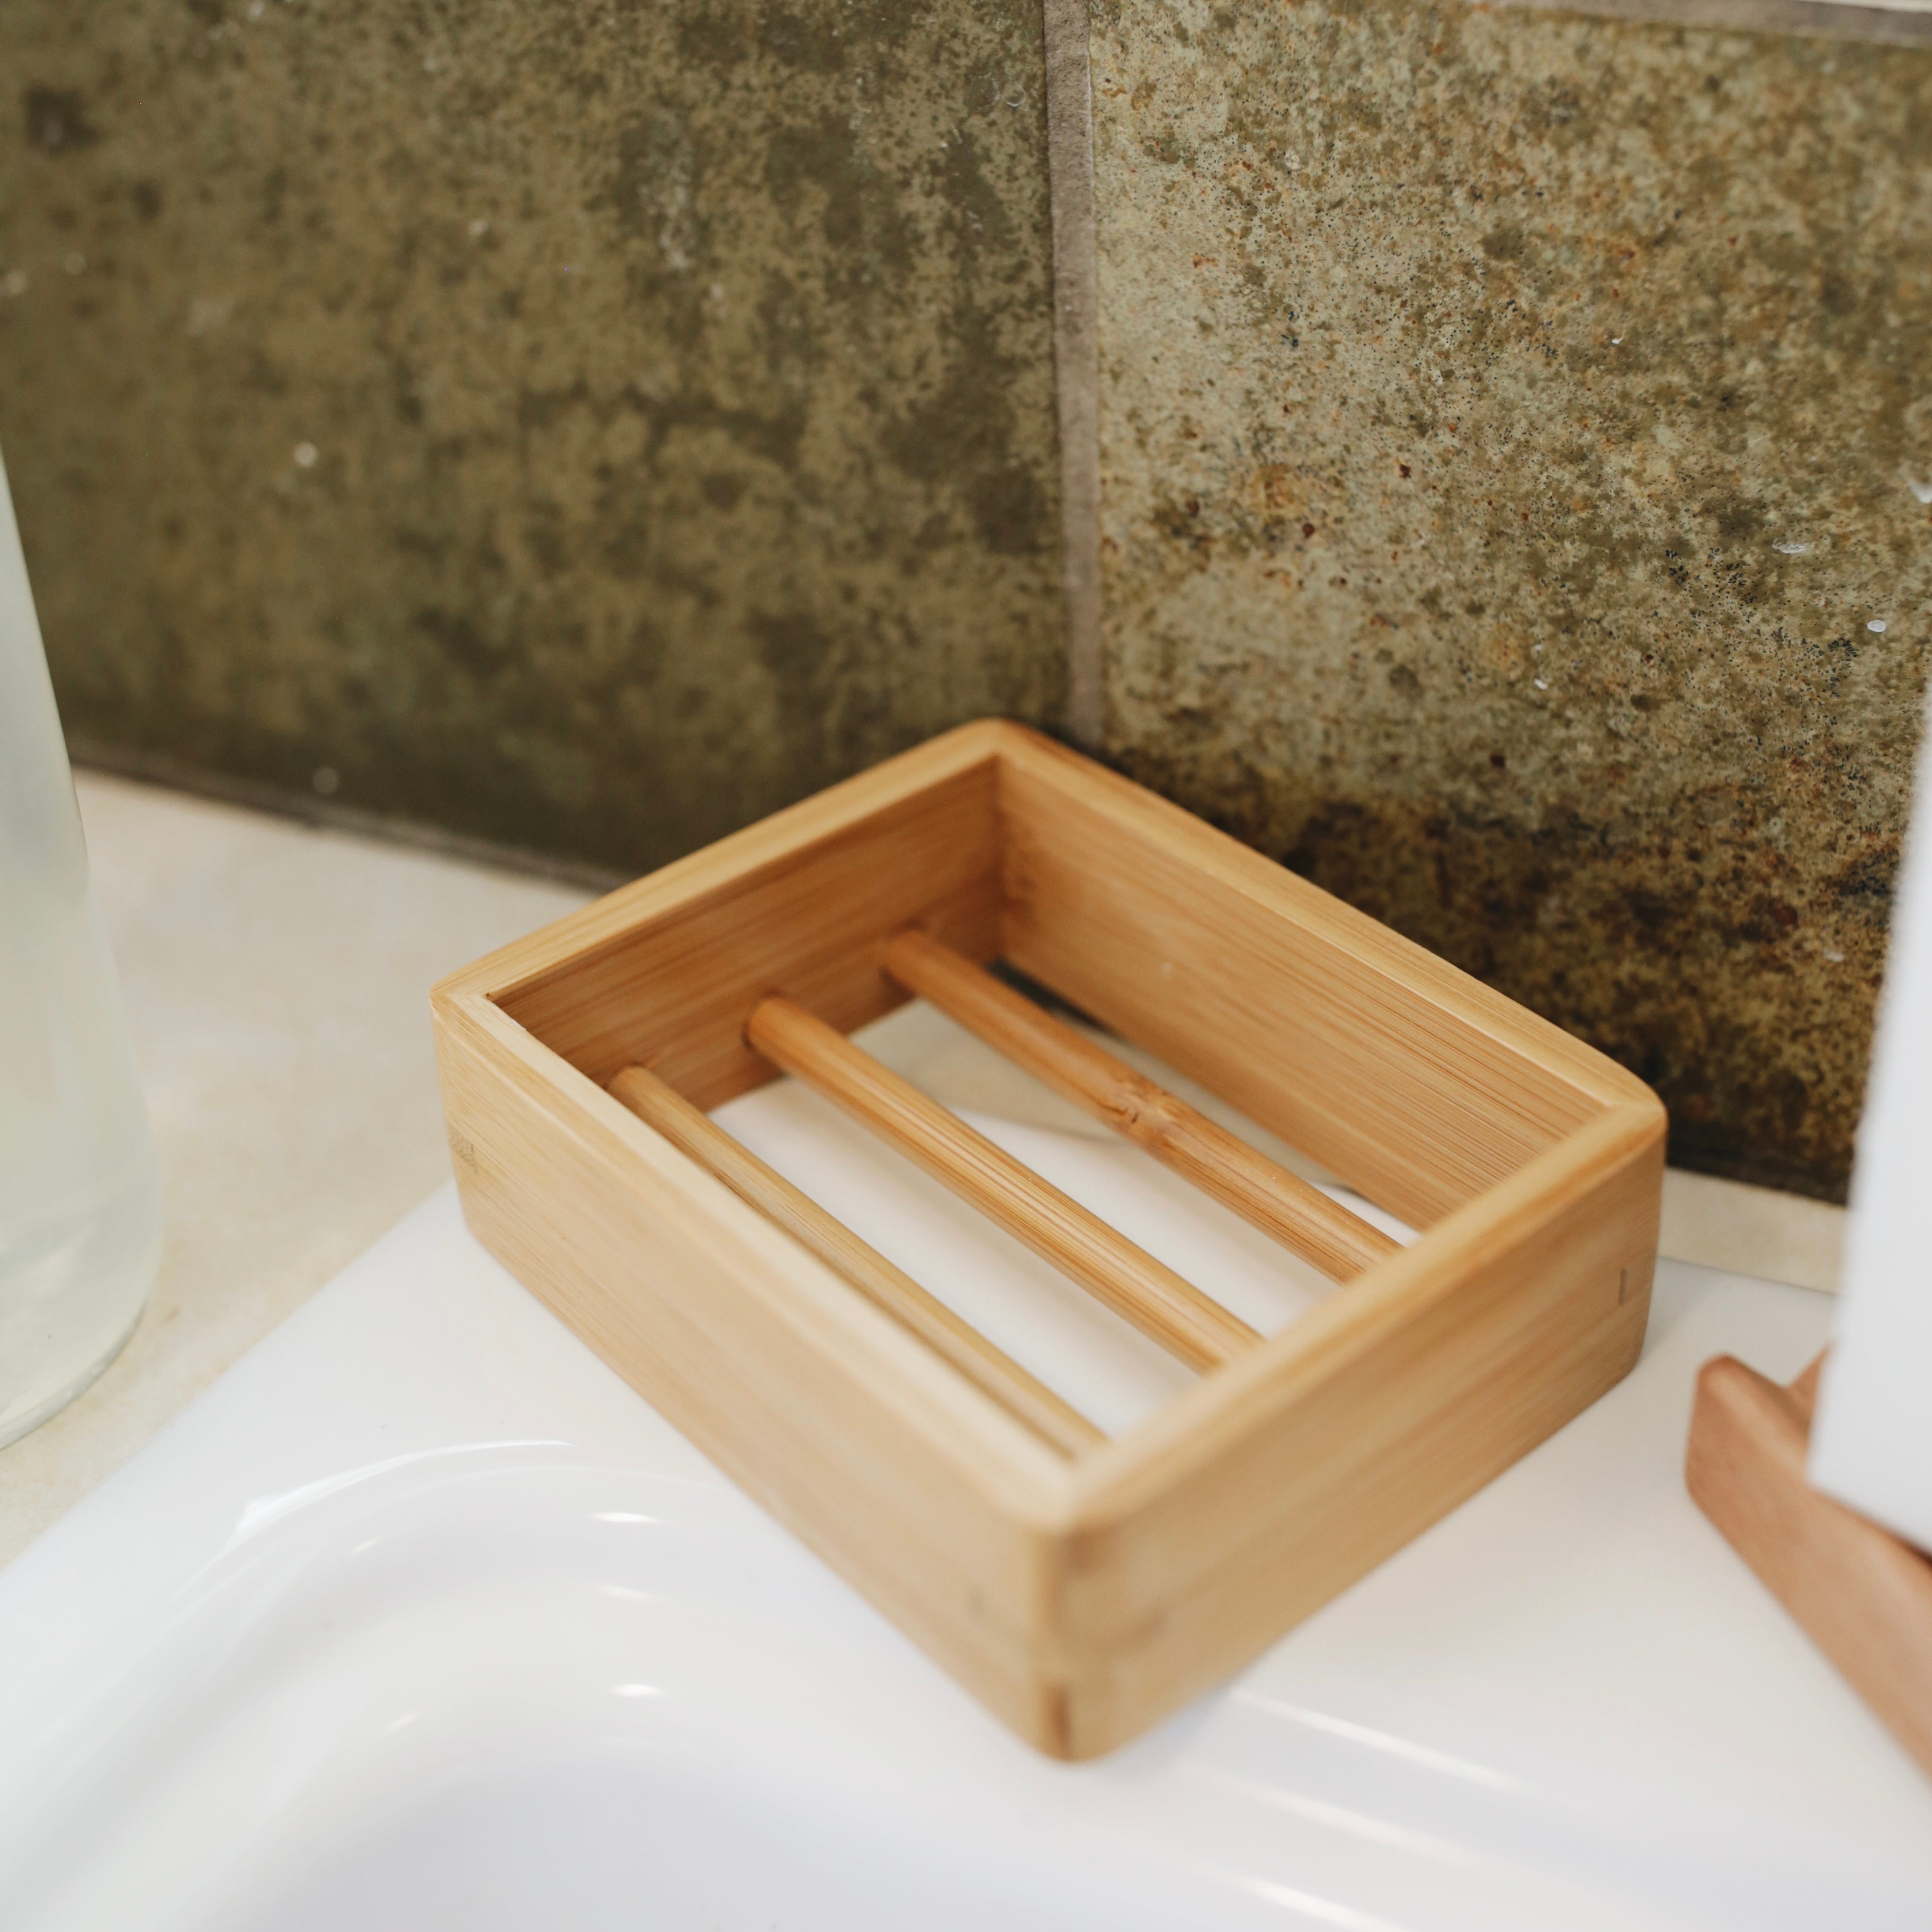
x,y
1510,424
585,429
590,431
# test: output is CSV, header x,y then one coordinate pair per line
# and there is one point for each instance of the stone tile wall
x,y
584,428
587,430
1516,455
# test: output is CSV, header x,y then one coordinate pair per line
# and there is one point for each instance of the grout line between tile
x,y
1069,144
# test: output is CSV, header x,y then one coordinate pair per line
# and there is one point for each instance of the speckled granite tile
x,y
1517,432
583,427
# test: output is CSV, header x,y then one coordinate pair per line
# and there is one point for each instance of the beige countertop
x,y
276,977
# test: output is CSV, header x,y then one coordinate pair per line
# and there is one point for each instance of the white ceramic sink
x,y
420,1618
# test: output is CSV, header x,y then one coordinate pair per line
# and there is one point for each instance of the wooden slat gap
x,y
1321,1343
987,1368
1143,1291
1201,1151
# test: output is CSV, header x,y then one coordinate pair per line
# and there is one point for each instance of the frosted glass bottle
x,y
80,1198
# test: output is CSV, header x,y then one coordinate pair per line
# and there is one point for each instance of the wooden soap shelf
x,y
1863,1596
1082,1587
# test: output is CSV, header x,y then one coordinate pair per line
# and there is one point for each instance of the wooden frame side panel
x,y
661,972
939,1509
585,933
1412,1081
1253,1500
672,993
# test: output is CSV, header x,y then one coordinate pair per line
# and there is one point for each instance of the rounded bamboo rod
x,y
989,1369
1262,1192
1143,1291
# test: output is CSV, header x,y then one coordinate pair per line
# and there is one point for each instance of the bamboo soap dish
x,y
1082,1587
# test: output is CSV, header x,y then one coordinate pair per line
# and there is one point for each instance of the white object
x,y
421,1617
1871,1436
80,1212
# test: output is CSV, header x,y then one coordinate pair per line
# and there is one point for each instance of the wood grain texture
x,y
1863,1596
1262,1191
929,1498
1294,1008
989,1369
1253,1498
662,973
1081,1599
1159,1303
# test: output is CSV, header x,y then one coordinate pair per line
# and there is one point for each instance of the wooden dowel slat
x,y
989,1369
1131,1282
1262,1192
